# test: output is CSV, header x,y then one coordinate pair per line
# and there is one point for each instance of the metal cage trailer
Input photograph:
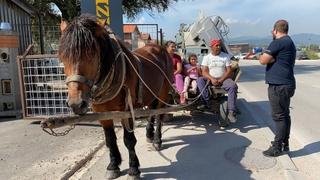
x,y
43,86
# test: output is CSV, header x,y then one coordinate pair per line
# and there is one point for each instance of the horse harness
x,y
109,87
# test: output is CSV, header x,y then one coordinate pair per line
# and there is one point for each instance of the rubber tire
x,y
223,113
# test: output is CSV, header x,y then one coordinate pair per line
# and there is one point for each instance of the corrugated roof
x,y
130,28
25,6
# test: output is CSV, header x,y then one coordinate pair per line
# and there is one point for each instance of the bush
x,y
312,54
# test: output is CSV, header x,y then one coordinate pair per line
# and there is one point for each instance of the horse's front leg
x,y
130,142
158,135
113,170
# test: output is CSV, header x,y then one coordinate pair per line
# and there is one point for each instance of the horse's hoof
x,y
113,174
137,177
149,140
157,147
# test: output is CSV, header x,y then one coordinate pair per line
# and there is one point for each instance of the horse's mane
x,y
86,40
82,39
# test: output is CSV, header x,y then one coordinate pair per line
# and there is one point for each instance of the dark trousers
x,y
229,85
279,98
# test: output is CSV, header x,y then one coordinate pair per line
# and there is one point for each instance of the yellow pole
x,y
103,11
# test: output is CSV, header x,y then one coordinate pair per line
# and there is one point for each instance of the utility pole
x,y
161,37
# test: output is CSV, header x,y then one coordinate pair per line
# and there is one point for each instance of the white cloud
x,y
245,17
231,21
141,20
252,22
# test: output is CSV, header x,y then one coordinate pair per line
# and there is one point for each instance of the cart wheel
x,y
223,119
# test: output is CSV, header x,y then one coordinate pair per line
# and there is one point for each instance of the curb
x,y
261,117
87,158
82,162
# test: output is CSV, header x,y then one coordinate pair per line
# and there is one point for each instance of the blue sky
x,y
244,17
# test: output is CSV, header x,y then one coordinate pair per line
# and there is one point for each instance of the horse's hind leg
x,y
150,124
113,170
158,134
150,129
130,142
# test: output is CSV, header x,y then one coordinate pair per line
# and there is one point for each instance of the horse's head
x,y
80,52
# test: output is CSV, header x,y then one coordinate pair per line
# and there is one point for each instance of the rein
x,y
109,87
166,77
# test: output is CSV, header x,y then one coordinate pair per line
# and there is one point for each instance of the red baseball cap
x,y
215,42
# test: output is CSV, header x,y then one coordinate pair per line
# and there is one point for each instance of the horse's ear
x,y
63,24
102,22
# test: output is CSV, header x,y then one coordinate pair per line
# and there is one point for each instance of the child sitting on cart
x,y
192,70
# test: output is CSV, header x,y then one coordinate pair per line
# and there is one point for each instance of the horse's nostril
x,y
83,105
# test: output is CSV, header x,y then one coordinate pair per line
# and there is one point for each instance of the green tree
x,y
132,8
51,19
71,8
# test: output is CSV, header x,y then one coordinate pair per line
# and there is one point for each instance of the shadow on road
x,y
203,154
9,118
309,149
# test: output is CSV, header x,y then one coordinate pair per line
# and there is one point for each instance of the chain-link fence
x,y
149,33
50,41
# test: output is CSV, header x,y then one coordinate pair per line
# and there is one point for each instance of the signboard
x,y
108,12
103,11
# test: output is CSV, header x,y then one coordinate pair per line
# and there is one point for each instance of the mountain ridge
x,y
301,39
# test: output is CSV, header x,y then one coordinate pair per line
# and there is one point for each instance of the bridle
x,y
79,79
108,88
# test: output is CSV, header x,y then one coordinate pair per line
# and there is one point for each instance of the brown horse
x,y
102,72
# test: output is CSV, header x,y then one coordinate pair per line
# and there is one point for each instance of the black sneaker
x,y
203,107
272,152
285,147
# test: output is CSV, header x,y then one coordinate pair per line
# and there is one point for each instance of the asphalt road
x,y
26,152
305,109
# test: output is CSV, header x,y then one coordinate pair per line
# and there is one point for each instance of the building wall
x,y
20,21
10,104
239,48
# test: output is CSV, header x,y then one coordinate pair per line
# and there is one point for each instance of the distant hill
x,y
306,39
299,39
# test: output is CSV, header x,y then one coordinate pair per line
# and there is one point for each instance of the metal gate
x,y
149,29
42,84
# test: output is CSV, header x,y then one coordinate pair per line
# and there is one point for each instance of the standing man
x,y
216,67
280,59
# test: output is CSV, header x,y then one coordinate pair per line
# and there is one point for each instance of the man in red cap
x,y
216,68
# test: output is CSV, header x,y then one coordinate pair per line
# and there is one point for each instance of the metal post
x,y
116,19
41,33
161,37
157,34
